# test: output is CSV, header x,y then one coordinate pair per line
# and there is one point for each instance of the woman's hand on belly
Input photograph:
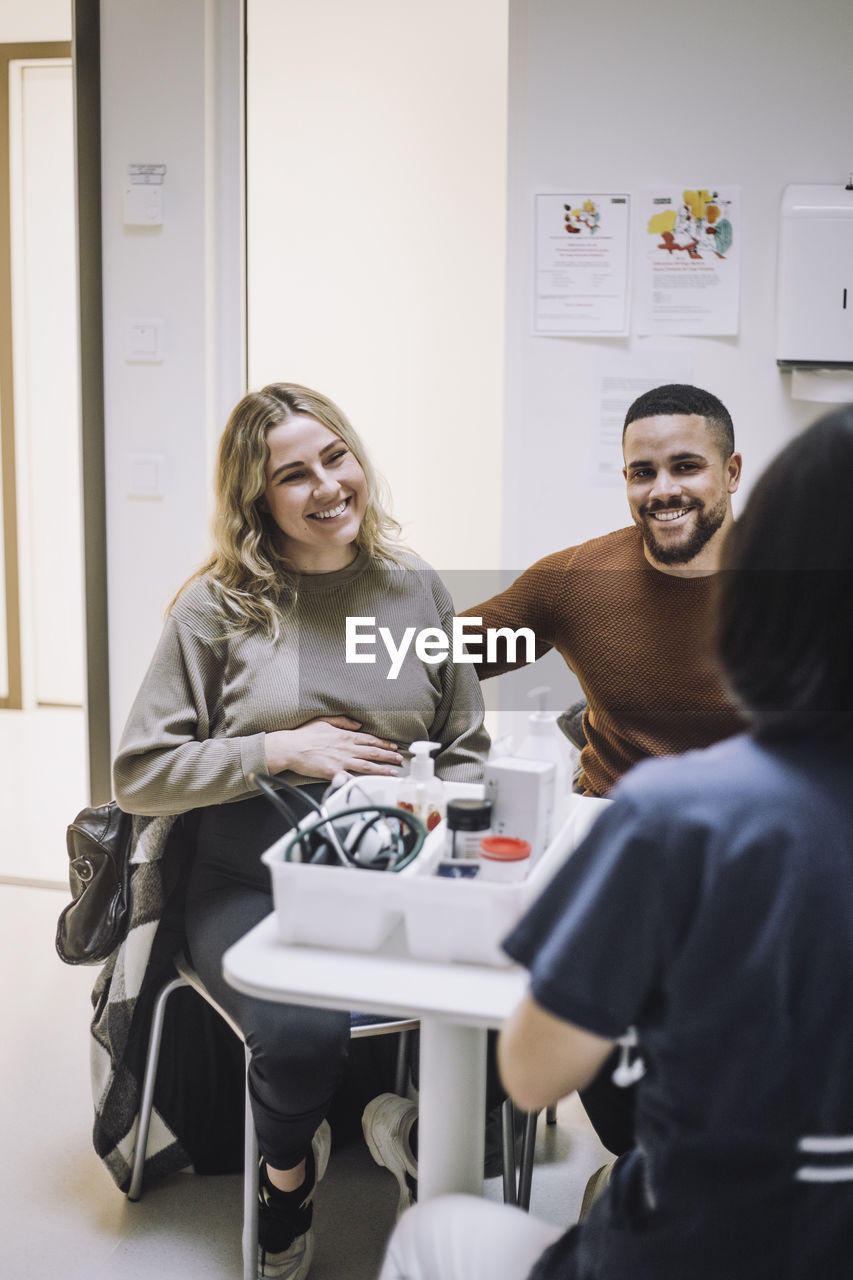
x,y
321,748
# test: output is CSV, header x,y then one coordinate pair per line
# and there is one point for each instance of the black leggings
x,y
298,1054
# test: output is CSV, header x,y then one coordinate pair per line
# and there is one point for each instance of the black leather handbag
x,y
97,918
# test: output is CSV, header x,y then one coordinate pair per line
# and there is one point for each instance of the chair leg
x,y
551,1114
508,1144
525,1176
250,1188
401,1071
149,1079
250,1138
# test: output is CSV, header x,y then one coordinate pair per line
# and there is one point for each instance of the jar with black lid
x,y
468,821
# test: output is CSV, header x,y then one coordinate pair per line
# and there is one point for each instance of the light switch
x,y
143,205
145,475
145,339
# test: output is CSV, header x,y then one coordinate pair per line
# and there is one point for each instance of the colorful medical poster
x,y
689,260
581,265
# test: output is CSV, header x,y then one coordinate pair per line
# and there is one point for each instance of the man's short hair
x,y
680,398
785,594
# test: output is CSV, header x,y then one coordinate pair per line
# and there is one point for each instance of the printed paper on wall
x,y
689,259
581,265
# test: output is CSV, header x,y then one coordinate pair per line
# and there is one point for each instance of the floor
x,y
60,1214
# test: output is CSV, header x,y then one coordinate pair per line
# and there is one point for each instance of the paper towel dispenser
x,y
814,294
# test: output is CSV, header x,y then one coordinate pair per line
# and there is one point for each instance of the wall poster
x,y
581,252
689,260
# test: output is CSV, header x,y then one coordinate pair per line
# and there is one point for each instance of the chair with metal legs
x,y
187,977
517,1186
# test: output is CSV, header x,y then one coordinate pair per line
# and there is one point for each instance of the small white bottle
x,y
503,859
422,793
544,740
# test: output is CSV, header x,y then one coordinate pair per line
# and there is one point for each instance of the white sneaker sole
x,y
381,1144
289,1265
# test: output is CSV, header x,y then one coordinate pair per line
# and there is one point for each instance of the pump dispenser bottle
x,y
422,793
544,740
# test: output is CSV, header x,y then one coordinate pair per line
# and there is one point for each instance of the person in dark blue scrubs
x,y
709,911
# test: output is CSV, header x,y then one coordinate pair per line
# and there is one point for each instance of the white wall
x,y
170,95
618,96
26,20
375,241
376,213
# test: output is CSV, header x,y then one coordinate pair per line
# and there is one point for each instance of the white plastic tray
x,y
444,919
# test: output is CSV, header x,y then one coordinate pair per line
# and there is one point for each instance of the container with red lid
x,y
503,858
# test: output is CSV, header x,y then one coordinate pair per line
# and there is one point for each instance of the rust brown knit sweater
x,y
639,642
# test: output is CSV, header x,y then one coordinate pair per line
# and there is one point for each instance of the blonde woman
x,y
251,675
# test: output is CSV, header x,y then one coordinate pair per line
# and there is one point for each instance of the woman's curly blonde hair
x,y
252,578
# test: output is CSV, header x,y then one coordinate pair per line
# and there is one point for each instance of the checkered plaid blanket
x,y
123,1000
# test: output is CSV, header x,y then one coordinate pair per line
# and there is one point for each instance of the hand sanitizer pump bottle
x,y
422,793
544,740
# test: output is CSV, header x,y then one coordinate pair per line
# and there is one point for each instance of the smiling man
x,y
629,612
681,470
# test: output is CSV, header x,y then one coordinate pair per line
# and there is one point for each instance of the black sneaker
x,y
285,1234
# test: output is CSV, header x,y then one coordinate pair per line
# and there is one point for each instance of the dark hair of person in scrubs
x,y
785,621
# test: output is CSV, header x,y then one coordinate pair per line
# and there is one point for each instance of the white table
x,y
456,1004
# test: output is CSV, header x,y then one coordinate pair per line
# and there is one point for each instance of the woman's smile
x,y
331,514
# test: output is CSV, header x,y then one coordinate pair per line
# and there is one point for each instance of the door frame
x,y
12,53
84,51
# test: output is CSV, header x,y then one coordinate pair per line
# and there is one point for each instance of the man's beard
x,y
705,525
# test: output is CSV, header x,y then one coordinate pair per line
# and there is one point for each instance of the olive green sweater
x,y
196,729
